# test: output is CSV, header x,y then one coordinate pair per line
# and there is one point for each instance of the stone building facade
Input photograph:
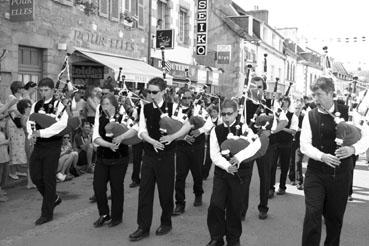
x,y
36,48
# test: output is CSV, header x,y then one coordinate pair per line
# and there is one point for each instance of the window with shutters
x,y
114,10
29,64
135,9
183,36
103,8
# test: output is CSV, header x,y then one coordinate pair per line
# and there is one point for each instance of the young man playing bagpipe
x,y
329,170
231,178
45,156
190,151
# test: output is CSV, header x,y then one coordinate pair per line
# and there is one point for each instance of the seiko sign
x,y
202,28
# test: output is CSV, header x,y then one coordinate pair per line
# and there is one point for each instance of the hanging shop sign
x,y
224,54
21,10
165,38
202,28
85,72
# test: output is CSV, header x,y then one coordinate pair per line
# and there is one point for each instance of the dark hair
x,y
257,78
90,88
30,84
16,86
286,99
158,82
23,104
229,103
46,82
112,99
324,83
108,87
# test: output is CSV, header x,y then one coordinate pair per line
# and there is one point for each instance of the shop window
x,y
103,8
183,26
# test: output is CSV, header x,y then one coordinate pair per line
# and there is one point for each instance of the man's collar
x,y
331,110
225,125
160,104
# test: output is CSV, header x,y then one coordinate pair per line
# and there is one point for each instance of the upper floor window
x,y
183,26
135,10
162,15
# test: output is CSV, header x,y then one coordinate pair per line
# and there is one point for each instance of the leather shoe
x,y
101,220
138,235
163,229
198,201
180,209
134,184
57,201
43,220
113,223
215,243
263,215
281,191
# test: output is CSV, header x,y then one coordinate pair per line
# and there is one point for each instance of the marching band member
x,y
45,156
224,213
213,120
189,154
264,162
329,168
282,150
157,164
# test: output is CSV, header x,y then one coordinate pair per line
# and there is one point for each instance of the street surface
x,y
72,224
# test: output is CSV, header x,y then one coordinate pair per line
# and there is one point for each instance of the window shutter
x,y
141,13
103,8
114,10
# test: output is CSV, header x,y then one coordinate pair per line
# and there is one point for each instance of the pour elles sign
x,y
21,10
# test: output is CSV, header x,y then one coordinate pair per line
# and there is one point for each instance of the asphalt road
x,y
73,219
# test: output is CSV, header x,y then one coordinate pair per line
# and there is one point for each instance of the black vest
x,y
198,140
107,153
323,129
222,132
282,136
152,116
48,108
298,133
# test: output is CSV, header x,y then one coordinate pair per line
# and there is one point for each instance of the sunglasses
x,y
153,92
226,113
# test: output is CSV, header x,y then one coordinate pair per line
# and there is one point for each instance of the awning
x,y
135,70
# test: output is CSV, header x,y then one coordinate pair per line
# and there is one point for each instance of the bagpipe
x,y
63,95
346,134
122,121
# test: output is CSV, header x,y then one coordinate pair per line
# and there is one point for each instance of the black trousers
x,y
106,171
156,169
283,153
207,163
188,158
224,212
325,195
137,151
264,170
295,173
355,157
43,166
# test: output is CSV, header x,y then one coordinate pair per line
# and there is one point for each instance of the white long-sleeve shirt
x,y
55,128
308,149
220,161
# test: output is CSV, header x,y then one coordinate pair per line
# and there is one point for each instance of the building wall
x,y
182,53
55,23
219,33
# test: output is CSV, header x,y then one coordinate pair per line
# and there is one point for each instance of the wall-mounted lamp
x,y
120,34
94,26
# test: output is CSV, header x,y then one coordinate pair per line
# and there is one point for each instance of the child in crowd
x,y
4,159
68,158
82,143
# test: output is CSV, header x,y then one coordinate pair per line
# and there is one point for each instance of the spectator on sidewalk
x,y
92,102
24,108
16,134
4,159
82,143
67,159
30,90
